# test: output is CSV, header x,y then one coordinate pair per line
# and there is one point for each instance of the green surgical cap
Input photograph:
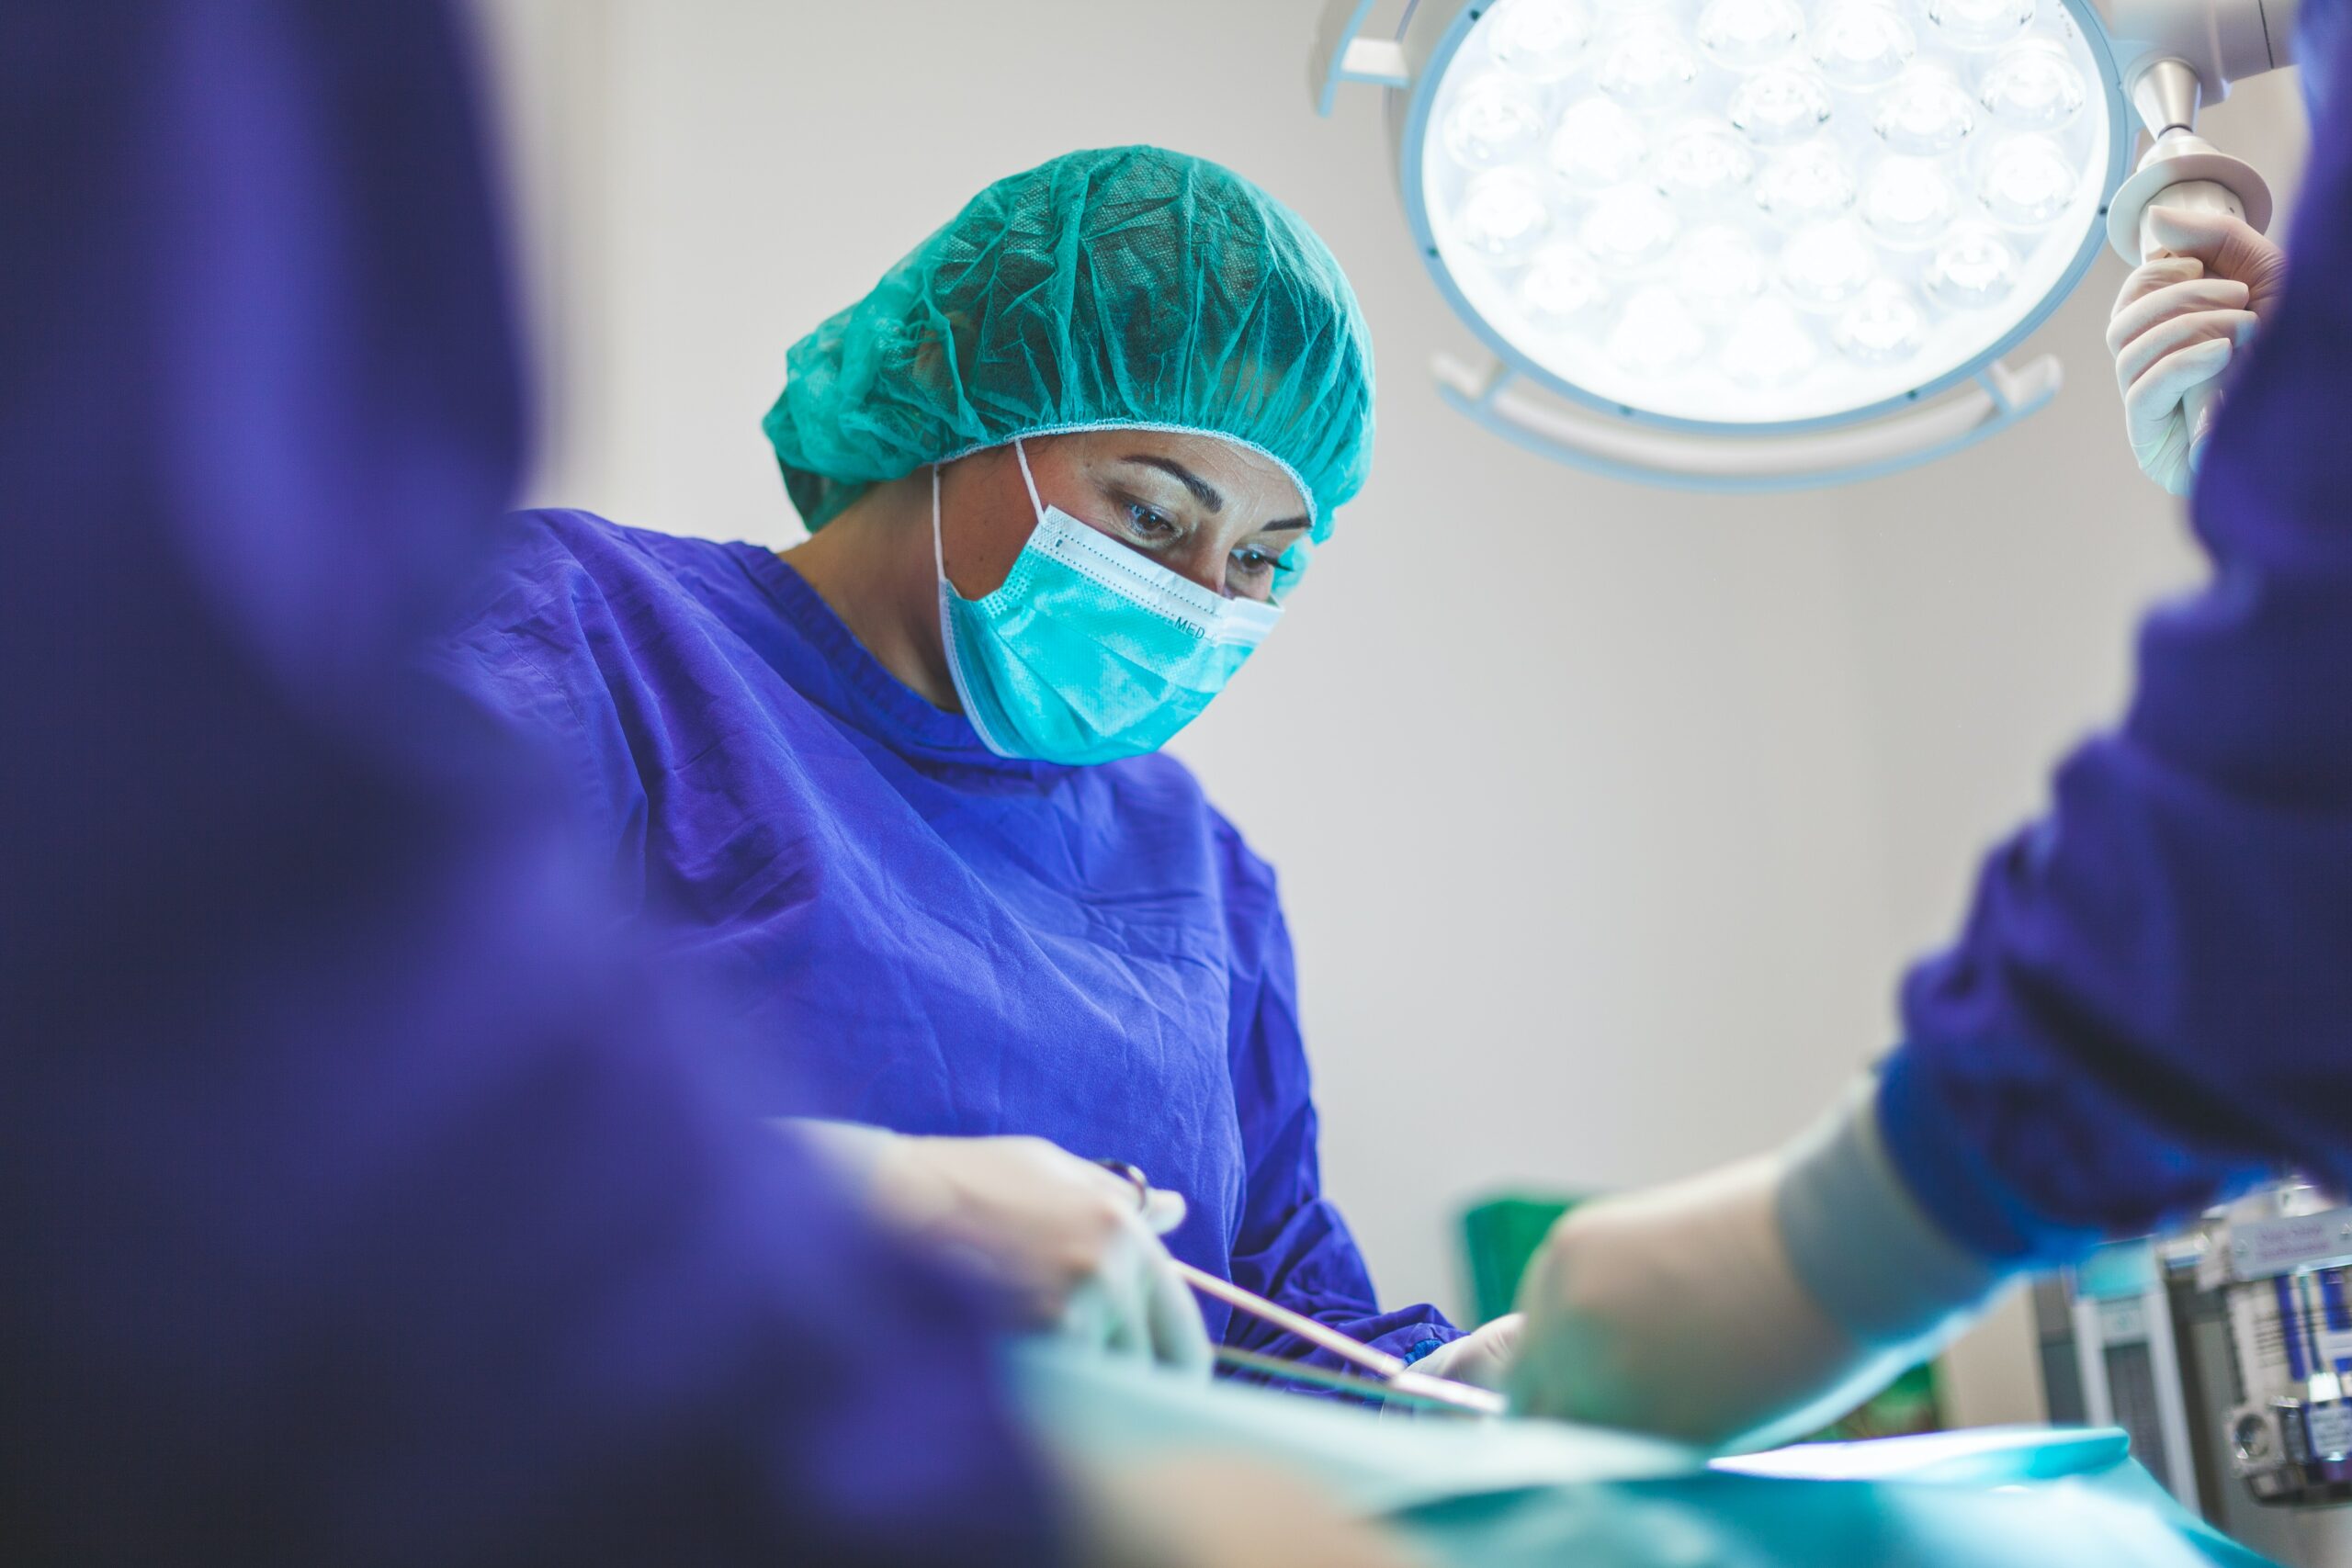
x,y
1130,287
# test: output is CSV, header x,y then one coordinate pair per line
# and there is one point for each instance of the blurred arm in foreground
x,y
356,1208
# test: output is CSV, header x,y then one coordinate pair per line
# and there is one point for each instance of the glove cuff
x,y
1863,1248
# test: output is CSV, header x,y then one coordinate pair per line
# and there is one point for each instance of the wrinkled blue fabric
x,y
930,937
2151,1006
2319,25
357,1204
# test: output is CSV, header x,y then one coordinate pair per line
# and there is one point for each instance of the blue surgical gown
x,y
932,938
2150,1005
358,1205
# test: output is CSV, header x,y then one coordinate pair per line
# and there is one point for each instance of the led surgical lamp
x,y
1775,245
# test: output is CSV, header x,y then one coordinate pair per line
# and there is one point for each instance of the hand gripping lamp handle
x,y
2176,54
2198,404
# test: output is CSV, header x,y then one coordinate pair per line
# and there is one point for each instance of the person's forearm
x,y
1746,1305
850,1149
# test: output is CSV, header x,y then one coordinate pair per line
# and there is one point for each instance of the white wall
x,y
1606,816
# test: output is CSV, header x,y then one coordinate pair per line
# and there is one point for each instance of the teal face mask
x,y
1089,650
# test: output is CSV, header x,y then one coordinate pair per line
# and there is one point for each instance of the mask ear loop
x,y
938,554
947,597
1036,505
938,550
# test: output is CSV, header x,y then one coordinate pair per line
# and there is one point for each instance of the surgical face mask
x,y
1089,651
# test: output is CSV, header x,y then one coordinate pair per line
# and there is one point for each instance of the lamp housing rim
x,y
1434,32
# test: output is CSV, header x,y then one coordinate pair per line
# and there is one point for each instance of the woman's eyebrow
x,y
1207,494
1203,491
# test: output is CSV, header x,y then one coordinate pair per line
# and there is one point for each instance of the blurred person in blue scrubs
x,y
358,1201
901,787
2149,1009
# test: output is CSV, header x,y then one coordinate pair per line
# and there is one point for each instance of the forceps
x,y
1381,1375
1391,1378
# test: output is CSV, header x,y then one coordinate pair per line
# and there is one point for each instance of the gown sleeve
x,y
2150,1007
358,1205
523,644
1293,1247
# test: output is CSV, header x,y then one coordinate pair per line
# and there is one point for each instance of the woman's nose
x,y
1203,560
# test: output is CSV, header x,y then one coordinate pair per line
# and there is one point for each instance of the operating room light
x,y
1778,244
1758,213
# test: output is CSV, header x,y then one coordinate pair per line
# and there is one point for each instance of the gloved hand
x,y
2181,316
1676,1310
1748,1305
1482,1358
1062,1236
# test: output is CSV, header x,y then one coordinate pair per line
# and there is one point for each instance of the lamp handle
x,y
2201,402
1340,56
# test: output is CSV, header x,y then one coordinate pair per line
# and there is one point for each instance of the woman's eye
x,y
1148,523
1253,563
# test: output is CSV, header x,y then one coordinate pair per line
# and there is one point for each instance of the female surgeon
x,y
902,786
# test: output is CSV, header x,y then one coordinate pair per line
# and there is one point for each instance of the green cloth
x,y
1499,1238
1126,286
1520,1494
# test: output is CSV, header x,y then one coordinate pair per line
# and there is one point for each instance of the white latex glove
x,y
2178,322
1746,1306
1061,1234
1482,1358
